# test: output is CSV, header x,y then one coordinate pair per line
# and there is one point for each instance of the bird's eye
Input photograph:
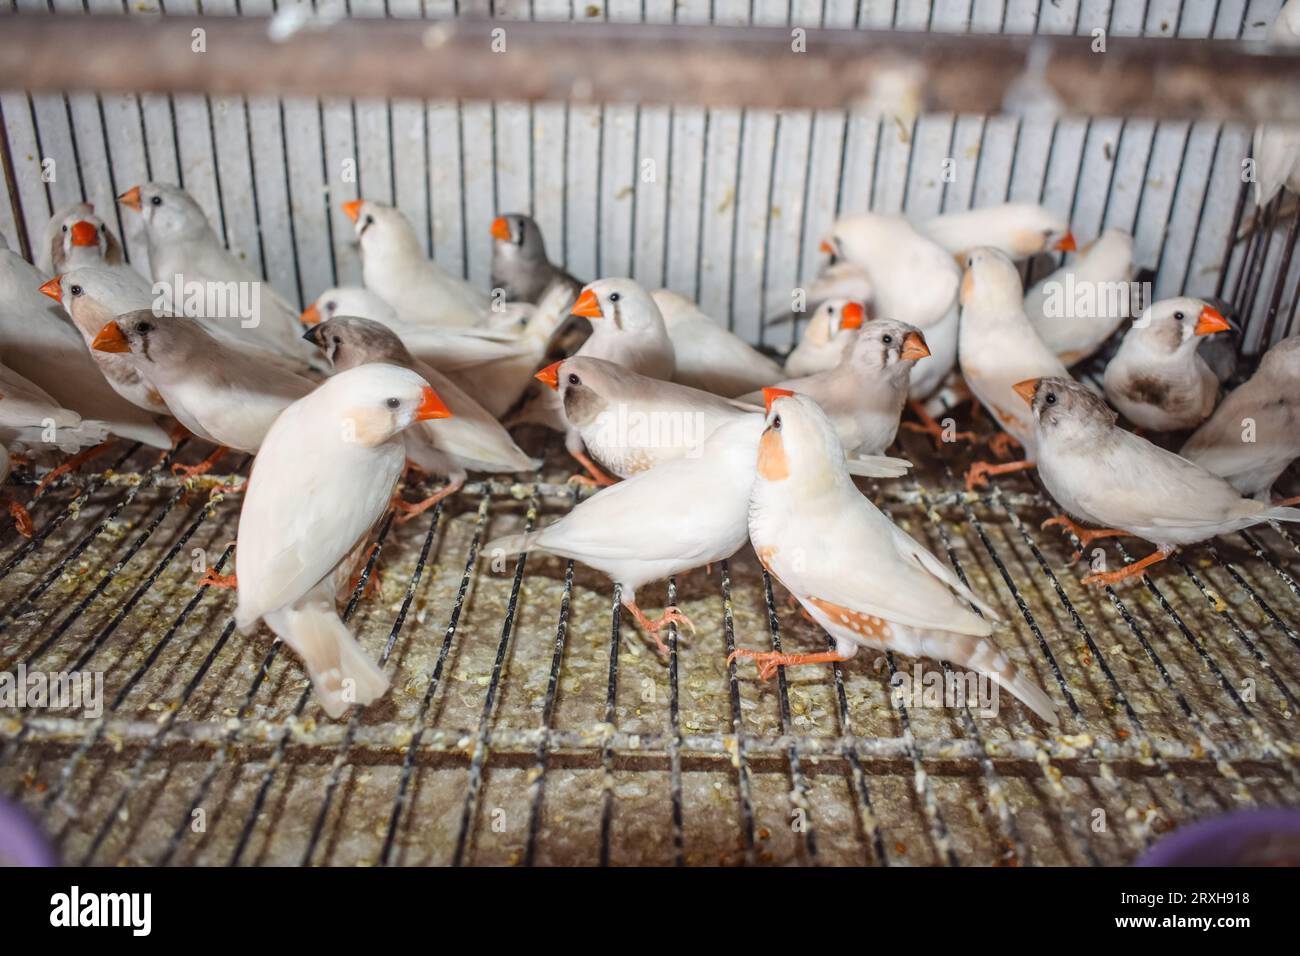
x,y
970,263
887,339
614,297
65,227
776,422
574,380
1179,316
144,328
1050,398
156,200
370,220
337,340
832,311
393,403
331,306
76,289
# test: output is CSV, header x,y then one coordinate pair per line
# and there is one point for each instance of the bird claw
x,y
1137,569
765,660
22,519
190,471
1113,577
234,488
977,475
1086,536
211,579
769,661
412,510
597,476
72,464
671,615
186,472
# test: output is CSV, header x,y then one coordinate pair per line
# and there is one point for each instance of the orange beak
x,y
1026,389
310,315
501,229
110,339
827,248
914,347
588,306
853,316
1066,243
84,234
550,375
131,198
1210,321
770,395
431,407
352,209
53,290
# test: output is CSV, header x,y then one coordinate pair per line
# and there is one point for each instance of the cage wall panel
x,y
770,183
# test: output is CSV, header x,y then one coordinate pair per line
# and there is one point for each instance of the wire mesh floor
x,y
527,723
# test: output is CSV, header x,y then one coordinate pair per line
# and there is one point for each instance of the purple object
x,y
21,841
1242,838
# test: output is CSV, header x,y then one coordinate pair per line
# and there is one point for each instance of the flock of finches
x,y
419,369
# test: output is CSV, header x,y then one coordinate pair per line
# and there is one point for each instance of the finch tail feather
x,y
1282,514
340,671
877,466
983,655
512,544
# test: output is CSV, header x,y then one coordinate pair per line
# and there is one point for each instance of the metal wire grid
x,y
538,729
284,218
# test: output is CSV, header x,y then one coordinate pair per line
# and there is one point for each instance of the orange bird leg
x,y
375,583
1002,443
928,426
769,661
977,475
1287,502
1135,570
598,477
411,510
202,468
213,580
1086,536
72,464
177,433
670,615
22,519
